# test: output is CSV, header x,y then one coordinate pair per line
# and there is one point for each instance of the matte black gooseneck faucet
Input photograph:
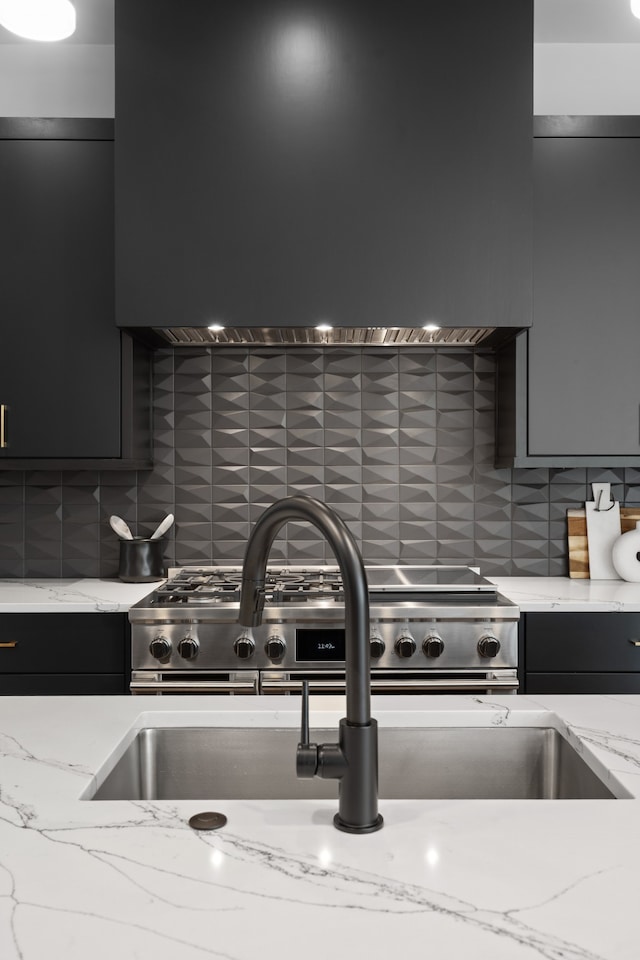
x,y
354,760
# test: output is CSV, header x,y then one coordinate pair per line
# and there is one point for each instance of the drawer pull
x,y
635,643
9,643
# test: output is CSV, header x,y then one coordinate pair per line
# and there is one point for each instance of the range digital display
x,y
326,644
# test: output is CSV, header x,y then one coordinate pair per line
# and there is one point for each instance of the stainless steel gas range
x,y
433,629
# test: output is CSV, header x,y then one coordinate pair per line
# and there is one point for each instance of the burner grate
x,y
282,586
300,585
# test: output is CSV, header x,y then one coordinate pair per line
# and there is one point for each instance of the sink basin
x,y
218,763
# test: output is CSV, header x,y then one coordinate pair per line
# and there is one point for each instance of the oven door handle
x,y
395,686
194,686
433,683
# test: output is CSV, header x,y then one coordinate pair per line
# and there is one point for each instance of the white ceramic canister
x,y
625,555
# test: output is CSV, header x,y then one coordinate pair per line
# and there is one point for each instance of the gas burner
x,y
223,586
304,590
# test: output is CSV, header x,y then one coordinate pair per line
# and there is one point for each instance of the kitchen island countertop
x,y
532,594
499,879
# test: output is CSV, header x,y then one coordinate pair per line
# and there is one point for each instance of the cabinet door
x,y
582,652
60,352
582,683
581,642
362,163
61,684
584,345
60,653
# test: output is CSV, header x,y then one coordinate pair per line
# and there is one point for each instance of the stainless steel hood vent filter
x,y
339,336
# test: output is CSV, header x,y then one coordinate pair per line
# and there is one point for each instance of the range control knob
x,y
275,648
160,648
188,648
488,646
376,647
405,646
433,645
244,647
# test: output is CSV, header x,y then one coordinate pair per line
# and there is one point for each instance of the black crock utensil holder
x,y
141,560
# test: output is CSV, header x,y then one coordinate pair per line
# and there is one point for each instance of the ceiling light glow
x,y
302,56
432,856
217,858
635,8
38,19
325,857
216,327
431,327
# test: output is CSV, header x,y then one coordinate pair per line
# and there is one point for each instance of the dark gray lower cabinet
x,y
64,653
583,683
581,652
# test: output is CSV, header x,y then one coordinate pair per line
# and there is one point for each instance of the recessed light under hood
x,y
338,336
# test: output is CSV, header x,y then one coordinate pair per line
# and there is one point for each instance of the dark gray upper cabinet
x,y
568,388
65,375
284,163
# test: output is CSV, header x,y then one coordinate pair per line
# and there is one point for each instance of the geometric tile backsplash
x,y
400,441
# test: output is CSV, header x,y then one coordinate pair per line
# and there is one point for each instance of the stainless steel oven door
x,y
160,682
393,681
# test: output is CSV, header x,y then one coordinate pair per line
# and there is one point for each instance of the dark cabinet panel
x,y
61,653
582,652
583,641
280,164
61,685
584,396
60,367
583,683
570,391
64,372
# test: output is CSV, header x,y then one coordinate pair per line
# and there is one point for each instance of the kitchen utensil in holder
x,y
141,560
603,529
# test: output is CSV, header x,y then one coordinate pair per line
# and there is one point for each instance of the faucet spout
x,y
357,768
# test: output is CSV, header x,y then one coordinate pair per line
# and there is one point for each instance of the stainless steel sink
x,y
217,763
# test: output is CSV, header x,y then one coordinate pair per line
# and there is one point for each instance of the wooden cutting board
x,y
577,537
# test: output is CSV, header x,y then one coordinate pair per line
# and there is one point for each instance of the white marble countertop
x,y
452,879
530,593
70,596
562,594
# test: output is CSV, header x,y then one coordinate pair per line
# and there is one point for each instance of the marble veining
x,y
563,594
71,596
615,744
368,892
9,747
506,880
341,887
500,711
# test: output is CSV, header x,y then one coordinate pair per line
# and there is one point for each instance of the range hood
x,y
339,336
280,165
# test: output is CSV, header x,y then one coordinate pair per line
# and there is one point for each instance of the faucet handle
x,y
307,753
252,600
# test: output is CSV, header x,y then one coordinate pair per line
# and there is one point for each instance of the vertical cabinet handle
x,y
3,425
